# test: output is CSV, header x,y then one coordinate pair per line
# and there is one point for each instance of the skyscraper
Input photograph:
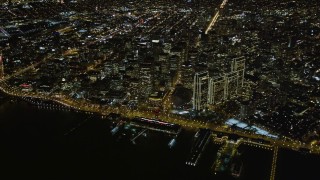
x,y
239,65
217,90
228,85
231,84
200,90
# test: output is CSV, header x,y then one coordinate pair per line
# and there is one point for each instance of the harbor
x,y
91,146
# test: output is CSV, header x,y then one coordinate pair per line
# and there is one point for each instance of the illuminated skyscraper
x,y
231,84
239,65
228,85
200,90
217,90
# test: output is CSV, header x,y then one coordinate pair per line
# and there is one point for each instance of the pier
x,y
201,140
156,125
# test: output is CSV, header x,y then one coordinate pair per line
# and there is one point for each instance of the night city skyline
x,y
168,89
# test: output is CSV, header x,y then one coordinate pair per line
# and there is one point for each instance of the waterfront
x,y
35,144
240,70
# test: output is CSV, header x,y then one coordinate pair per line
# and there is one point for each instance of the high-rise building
x,y
217,90
200,90
244,111
239,65
187,75
227,86
231,84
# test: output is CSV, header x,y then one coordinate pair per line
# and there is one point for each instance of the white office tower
x,y
200,90
217,90
239,65
228,85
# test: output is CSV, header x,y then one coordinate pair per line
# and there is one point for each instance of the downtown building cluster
x,y
209,90
137,54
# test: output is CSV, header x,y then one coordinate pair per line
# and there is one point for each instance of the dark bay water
x,y
34,144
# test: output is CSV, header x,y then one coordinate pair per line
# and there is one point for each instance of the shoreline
x,y
97,109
